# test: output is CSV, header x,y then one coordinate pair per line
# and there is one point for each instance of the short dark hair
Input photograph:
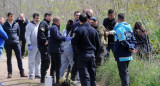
x,y
9,13
47,14
76,12
110,11
35,14
89,15
121,16
83,17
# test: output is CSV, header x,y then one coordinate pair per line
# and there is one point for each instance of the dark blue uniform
x,y
55,50
42,39
22,25
74,68
13,43
87,43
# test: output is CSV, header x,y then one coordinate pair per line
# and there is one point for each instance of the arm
x,y
41,33
28,34
56,34
76,38
18,30
3,34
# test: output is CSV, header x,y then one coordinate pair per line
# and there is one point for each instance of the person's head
x,y
2,20
93,22
76,15
88,16
111,14
90,11
121,17
69,25
139,28
10,16
48,16
83,18
36,17
21,16
56,20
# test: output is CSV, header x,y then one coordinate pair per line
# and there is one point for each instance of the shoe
x,y
9,76
42,80
58,84
23,75
30,76
37,77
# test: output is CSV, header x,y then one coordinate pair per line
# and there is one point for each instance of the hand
x,y
30,47
133,51
68,38
46,43
106,33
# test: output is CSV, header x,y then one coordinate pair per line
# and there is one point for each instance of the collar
x,y
47,21
55,25
85,24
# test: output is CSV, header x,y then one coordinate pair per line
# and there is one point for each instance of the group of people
x,y
80,48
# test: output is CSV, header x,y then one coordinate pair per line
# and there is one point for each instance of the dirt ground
x,y
16,80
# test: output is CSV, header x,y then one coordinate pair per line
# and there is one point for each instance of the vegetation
x,y
142,73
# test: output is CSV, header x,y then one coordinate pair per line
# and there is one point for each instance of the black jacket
x,y
42,36
22,25
86,39
13,33
55,40
109,25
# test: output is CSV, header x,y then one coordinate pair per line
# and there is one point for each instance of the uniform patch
x,y
42,28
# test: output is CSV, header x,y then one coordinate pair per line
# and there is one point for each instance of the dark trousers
x,y
123,72
74,68
45,61
86,69
23,44
55,66
17,50
109,48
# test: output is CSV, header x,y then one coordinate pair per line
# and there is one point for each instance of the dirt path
x,y
16,80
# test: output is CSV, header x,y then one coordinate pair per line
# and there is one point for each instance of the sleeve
x,y
122,38
57,34
97,43
28,34
3,34
76,38
41,33
18,30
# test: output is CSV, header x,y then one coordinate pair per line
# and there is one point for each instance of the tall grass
x,y
142,73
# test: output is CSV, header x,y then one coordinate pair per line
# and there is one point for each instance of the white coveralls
x,y
67,55
34,57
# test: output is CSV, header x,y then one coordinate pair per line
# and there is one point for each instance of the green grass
x,y
142,73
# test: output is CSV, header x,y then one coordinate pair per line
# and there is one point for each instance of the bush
x,y
142,73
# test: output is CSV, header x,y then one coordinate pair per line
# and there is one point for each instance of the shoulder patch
x,y
42,28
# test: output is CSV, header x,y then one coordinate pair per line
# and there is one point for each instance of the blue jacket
x,y
86,39
13,33
55,40
3,37
122,46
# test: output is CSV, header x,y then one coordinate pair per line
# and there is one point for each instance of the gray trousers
x,y
66,60
34,59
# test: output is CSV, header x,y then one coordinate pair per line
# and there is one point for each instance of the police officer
x,y
12,30
86,41
43,44
123,49
22,21
109,24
